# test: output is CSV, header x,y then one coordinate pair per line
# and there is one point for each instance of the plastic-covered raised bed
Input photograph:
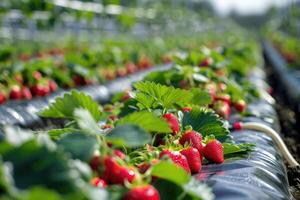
x,y
168,138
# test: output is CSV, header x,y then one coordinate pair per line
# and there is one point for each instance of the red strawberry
x,y
194,159
119,153
19,78
40,90
115,173
222,86
95,162
2,98
15,92
224,97
145,192
78,80
98,182
52,85
212,90
213,151
193,138
173,122
130,67
126,96
26,94
177,158
187,109
206,62
37,75
222,109
240,105
121,72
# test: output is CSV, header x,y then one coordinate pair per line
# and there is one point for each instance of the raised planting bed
x,y
167,138
288,77
24,113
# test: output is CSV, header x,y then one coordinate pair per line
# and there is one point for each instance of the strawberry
x,y
177,158
213,151
144,63
187,109
40,90
194,159
222,86
121,72
26,94
240,105
222,109
130,67
173,122
98,182
37,75
206,62
95,163
126,96
78,80
15,92
145,192
19,78
2,98
119,154
223,97
115,173
193,138
52,85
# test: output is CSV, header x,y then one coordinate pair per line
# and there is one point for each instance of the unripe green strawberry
x,y
194,159
213,151
145,192
173,122
177,158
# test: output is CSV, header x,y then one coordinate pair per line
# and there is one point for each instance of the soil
x,y
290,130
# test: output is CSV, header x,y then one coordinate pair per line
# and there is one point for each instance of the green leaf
x,y
146,120
55,134
200,97
129,135
42,193
63,107
171,172
36,165
152,95
230,148
86,122
205,122
79,145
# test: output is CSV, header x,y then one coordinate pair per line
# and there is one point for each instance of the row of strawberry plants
x,y
147,140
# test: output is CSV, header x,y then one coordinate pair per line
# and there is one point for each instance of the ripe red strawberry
x,y
119,153
222,109
40,90
115,173
15,92
177,158
224,97
144,63
213,151
78,80
37,75
98,182
2,98
187,109
130,67
193,138
95,163
240,105
26,94
206,62
121,72
52,85
173,122
194,159
145,192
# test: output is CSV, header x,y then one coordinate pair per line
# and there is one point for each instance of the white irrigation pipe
x,y
275,137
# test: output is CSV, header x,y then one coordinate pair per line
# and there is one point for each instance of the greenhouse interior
x,y
149,100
